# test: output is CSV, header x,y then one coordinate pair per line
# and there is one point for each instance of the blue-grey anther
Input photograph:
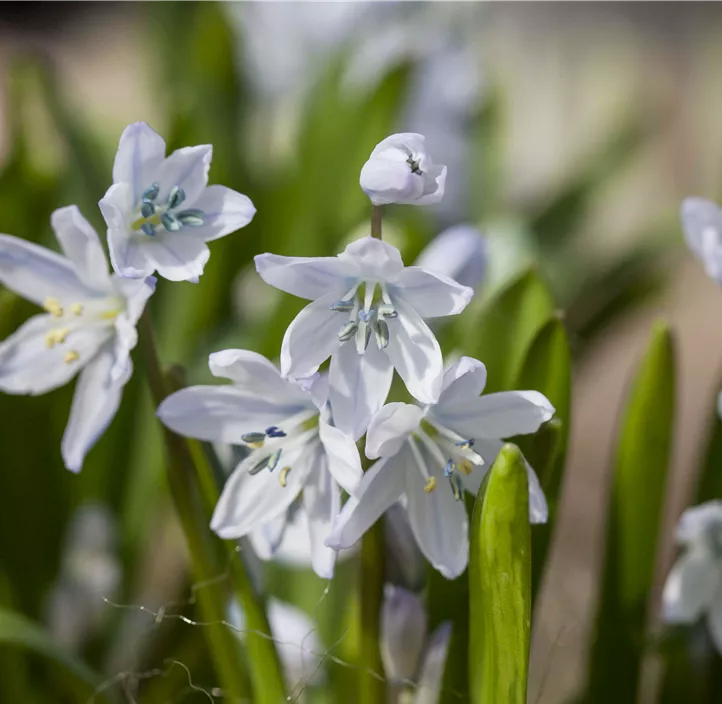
x,y
386,310
449,469
262,464
176,196
147,209
456,486
274,459
275,432
414,165
367,337
170,222
253,438
465,444
343,306
347,331
148,229
381,331
193,217
151,193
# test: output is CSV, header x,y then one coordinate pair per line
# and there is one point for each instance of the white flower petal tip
x,y
160,212
702,223
87,328
400,170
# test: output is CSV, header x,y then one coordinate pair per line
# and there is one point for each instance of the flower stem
x,y
207,564
371,689
376,222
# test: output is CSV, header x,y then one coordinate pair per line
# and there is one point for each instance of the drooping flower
x,y
400,170
702,222
694,585
406,653
294,448
88,327
459,252
160,212
368,315
430,455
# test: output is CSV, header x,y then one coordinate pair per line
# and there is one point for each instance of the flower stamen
x,y
76,309
71,356
283,476
430,485
52,305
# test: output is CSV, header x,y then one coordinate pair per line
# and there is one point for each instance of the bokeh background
x,y
571,131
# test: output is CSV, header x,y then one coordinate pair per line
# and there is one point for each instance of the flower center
x,y
369,313
414,163
64,320
152,216
270,444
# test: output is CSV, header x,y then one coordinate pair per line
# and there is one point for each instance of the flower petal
x,y
403,632
434,185
95,403
267,538
438,520
702,221
305,277
714,619
256,376
36,273
432,667
415,353
358,386
82,246
390,428
249,501
696,523
373,259
538,508
224,211
463,381
344,462
498,415
29,366
322,503
380,487
186,168
140,153
432,295
222,413
386,180
311,338
177,256
136,293
459,252
691,586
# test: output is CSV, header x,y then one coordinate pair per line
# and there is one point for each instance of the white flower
x,y
694,585
367,315
430,455
459,252
405,651
160,212
702,222
400,170
294,448
88,327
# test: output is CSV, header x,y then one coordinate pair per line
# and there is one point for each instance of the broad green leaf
x,y
499,330
500,584
547,369
18,631
637,501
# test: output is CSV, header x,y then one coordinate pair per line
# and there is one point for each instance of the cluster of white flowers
x,y
694,585
299,426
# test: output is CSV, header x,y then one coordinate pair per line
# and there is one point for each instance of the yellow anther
x,y
430,485
283,476
52,305
76,309
256,445
71,356
466,466
56,337
110,314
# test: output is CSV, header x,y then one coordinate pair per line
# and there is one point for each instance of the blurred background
x,y
571,131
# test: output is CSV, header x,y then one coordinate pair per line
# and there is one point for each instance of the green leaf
x,y
18,631
500,584
499,330
547,369
637,501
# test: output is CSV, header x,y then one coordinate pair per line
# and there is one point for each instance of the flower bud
x,y
459,252
403,632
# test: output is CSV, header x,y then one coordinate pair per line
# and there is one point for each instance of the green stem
x,y
204,552
376,222
371,689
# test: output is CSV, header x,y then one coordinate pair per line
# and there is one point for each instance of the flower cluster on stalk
x,y
296,426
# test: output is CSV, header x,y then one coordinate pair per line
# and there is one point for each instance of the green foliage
x,y
637,500
500,584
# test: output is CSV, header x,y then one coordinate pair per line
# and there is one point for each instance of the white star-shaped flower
x,y
368,315
88,327
160,211
400,170
294,448
694,585
430,455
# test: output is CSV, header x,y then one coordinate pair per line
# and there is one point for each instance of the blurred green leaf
x,y
547,369
637,501
499,330
18,631
500,584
